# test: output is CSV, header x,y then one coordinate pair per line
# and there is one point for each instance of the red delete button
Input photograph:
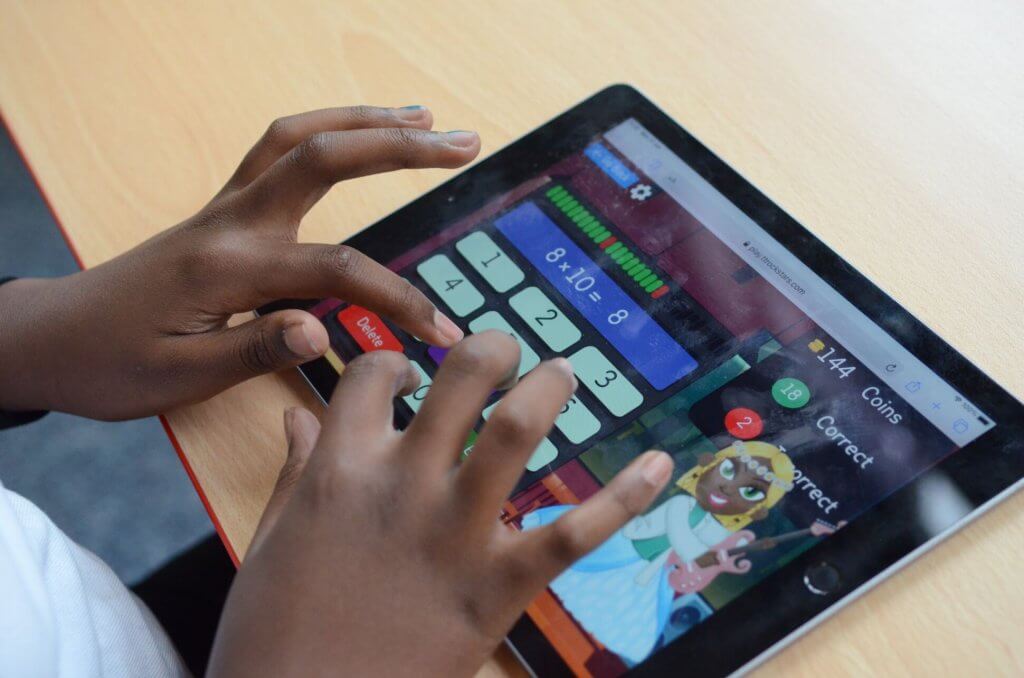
x,y
368,330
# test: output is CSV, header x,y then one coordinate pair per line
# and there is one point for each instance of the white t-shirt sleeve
x,y
64,612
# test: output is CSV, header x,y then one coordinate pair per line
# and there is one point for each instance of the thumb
x,y
302,430
268,344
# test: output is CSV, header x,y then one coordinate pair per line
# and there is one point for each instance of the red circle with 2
x,y
743,423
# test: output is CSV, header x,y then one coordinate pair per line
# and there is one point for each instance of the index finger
x,y
286,133
311,271
556,546
362,406
295,182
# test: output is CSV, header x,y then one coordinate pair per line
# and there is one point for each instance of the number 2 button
x,y
544,318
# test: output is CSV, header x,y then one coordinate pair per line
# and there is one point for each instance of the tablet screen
x,y
691,330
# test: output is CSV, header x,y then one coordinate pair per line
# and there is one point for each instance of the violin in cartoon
x,y
692,577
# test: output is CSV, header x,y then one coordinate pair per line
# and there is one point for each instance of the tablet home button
x,y
822,579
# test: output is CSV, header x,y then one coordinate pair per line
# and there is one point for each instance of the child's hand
x,y
380,555
147,330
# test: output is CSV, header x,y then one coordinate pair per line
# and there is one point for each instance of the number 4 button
x,y
451,285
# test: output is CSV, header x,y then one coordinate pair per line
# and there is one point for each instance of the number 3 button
x,y
602,379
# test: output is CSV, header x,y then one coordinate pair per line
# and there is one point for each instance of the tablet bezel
x,y
879,541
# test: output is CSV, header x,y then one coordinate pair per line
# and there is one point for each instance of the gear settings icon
x,y
641,192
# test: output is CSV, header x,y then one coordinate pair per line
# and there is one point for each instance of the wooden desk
x,y
895,131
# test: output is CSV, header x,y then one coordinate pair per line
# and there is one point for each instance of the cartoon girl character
x,y
621,593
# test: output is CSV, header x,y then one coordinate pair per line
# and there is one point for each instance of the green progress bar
x,y
630,263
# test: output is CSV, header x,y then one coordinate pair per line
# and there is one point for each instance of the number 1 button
x,y
451,285
490,261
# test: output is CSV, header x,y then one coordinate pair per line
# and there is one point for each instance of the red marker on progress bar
x,y
368,330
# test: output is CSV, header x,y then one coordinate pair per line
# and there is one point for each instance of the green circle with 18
x,y
791,393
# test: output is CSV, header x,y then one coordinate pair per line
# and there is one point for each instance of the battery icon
x,y
983,420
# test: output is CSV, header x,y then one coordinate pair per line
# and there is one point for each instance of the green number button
x,y
544,318
451,285
576,421
791,393
545,453
492,320
605,381
467,447
490,261
415,399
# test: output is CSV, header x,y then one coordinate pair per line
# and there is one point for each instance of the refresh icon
x,y
892,367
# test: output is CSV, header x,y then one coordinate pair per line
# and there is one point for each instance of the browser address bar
x,y
914,381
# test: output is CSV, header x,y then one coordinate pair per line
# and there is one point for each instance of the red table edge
x,y
163,420
199,490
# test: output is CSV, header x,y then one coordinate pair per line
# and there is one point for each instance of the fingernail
x,y
289,423
657,469
566,367
409,112
447,328
298,341
461,138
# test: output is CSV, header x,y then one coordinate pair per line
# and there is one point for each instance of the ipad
x,y
822,436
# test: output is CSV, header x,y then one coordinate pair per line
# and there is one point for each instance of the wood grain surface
x,y
894,131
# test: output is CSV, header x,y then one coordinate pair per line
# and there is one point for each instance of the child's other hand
x,y
380,555
147,331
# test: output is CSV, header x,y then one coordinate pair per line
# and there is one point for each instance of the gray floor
x,y
117,489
